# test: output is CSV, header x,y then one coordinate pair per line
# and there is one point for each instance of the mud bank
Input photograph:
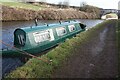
x,y
10,14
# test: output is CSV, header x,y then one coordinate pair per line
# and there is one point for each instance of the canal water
x,y
9,64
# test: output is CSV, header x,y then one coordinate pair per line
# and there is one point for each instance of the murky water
x,y
9,64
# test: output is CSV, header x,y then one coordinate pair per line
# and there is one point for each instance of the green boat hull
x,y
40,48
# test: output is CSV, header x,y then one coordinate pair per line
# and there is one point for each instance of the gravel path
x,y
95,59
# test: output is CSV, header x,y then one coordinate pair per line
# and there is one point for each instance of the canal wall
x,y
43,68
11,14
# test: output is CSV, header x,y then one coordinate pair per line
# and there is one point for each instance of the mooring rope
x,y
24,52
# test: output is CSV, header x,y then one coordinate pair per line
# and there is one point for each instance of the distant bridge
x,y
107,11
109,14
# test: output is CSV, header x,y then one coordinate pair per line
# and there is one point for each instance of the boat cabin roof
x,y
42,27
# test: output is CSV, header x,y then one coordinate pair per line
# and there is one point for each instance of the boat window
x,y
71,28
42,36
21,40
61,31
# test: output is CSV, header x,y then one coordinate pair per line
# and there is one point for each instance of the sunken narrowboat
x,y
35,39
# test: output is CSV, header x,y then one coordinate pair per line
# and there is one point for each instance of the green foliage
x,y
35,68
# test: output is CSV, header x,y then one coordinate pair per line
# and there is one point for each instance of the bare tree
x,y
89,9
119,9
42,1
119,5
60,4
82,4
66,3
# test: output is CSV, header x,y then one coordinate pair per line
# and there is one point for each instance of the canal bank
x,y
118,43
10,64
14,14
97,58
35,68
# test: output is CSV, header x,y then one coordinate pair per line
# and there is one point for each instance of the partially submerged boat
x,y
36,39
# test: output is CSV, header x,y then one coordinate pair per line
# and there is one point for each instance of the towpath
x,y
95,59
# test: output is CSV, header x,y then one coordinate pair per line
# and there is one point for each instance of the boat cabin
x,y
45,36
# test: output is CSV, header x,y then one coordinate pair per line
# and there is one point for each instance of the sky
x,y
105,4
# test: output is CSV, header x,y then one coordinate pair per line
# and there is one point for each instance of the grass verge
x,y
35,68
118,44
22,5
112,15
